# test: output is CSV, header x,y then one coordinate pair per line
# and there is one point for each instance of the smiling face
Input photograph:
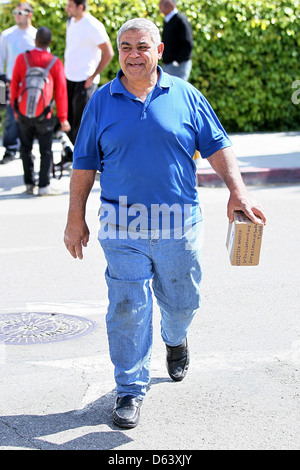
x,y
138,56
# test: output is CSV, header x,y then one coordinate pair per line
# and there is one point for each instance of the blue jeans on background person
x,y
173,268
181,70
11,132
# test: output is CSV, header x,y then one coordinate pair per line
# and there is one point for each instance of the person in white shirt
x,y
13,41
88,51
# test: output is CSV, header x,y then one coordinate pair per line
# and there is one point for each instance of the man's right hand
x,y
76,236
76,232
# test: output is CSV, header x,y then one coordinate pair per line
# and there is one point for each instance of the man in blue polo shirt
x,y
141,131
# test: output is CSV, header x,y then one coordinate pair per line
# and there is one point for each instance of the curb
x,y
252,176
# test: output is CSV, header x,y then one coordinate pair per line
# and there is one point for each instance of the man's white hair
x,y
140,24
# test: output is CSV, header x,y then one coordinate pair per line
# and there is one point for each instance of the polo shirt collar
x,y
164,81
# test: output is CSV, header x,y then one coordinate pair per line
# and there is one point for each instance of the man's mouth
x,y
134,64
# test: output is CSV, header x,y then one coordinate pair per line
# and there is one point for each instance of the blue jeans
x,y
11,131
172,267
181,70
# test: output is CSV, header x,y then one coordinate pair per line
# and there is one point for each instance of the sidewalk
x,y
11,174
264,158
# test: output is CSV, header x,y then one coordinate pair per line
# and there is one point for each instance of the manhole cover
x,y
36,328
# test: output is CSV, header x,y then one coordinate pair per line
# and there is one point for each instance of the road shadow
x,y
8,183
30,431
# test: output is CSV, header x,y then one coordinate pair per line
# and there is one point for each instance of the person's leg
x,y
70,86
176,283
185,70
44,132
129,316
181,70
78,97
27,134
10,135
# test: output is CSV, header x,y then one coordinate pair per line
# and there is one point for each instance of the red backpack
x,y
36,90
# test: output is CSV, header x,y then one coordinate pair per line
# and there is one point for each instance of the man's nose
x,y
134,52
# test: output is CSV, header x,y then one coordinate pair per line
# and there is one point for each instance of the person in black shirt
x,y
178,41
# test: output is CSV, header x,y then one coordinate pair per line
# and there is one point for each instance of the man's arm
x,y
107,55
76,232
226,166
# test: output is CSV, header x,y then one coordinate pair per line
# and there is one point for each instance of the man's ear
x,y
160,50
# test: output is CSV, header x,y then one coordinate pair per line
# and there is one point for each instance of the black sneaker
x,y
8,157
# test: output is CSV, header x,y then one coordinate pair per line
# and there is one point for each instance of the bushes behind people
x,y
245,55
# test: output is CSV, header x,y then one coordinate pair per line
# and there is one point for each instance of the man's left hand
x,y
243,201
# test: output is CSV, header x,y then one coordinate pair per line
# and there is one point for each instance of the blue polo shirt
x,y
145,151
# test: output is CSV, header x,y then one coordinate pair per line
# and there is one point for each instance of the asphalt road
x,y
242,389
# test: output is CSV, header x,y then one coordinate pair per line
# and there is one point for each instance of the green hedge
x,y
245,57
